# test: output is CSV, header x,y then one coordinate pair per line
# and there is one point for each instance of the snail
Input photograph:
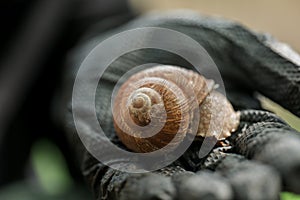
x,y
164,100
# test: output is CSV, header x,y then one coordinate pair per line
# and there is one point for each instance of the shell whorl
x,y
142,103
160,105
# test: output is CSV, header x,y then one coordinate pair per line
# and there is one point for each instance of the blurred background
x,y
48,174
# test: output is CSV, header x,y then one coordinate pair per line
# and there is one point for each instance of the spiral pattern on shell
x,y
159,106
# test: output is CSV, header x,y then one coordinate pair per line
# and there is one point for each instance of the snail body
x,y
163,102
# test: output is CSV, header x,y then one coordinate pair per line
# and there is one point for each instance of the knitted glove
x,y
263,159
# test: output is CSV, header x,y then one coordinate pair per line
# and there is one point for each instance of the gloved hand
x,y
264,158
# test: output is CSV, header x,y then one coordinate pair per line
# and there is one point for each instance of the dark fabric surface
x,y
247,65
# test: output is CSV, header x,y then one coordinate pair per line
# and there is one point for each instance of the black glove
x,y
263,159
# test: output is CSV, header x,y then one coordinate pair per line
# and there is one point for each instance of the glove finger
x,y
148,186
203,185
249,179
274,143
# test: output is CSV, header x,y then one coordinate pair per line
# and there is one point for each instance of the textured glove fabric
x,y
247,65
269,140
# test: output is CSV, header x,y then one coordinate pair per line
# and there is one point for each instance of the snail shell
x,y
164,100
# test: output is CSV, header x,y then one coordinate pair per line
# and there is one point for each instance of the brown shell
x,y
162,101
